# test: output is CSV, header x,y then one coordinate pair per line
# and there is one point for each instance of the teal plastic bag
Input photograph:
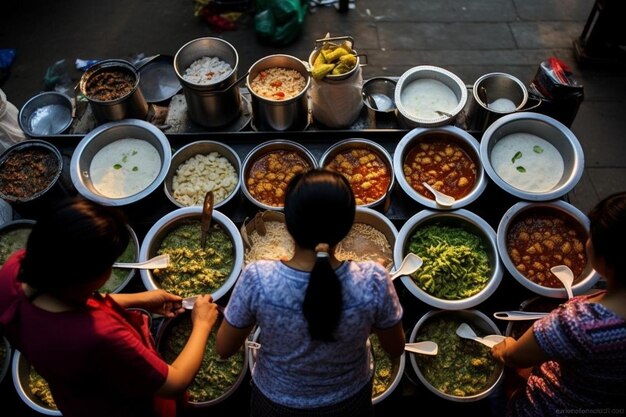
x,y
279,22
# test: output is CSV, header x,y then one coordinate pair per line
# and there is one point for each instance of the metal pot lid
x,y
158,81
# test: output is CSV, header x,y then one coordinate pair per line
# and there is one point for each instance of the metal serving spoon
x,y
518,315
442,199
423,348
566,276
158,262
466,332
410,264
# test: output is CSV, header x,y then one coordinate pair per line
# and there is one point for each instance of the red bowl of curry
x,y
268,168
533,237
447,158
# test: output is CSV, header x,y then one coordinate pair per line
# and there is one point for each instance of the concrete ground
x,y
469,38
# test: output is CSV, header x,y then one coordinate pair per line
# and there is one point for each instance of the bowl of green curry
x,y
120,277
193,270
461,266
13,236
463,370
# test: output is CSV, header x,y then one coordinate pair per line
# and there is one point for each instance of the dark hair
x,y
75,242
319,208
607,231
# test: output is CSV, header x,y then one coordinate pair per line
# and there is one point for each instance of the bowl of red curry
x,y
268,168
534,237
367,166
447,158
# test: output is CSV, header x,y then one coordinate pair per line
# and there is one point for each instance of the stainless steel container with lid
x,y
213,104
131,105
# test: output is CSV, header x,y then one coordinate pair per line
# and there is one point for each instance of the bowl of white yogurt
x,y
121,162
532,156
428,96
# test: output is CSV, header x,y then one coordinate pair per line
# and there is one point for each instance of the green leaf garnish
x,y
117,166
134,152
517,156
135,168
521,169
125,158
537,149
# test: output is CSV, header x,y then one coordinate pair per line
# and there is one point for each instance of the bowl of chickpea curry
x,y
447,158
534,237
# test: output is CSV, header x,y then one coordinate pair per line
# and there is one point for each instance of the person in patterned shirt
x,y
578,352
314,312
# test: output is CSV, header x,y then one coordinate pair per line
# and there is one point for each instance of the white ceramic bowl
x,y
482,325
165,224
20,370
425,135
456,218
433,73
101,136
544,127
560,208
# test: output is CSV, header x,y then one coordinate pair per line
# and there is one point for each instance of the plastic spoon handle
x,y
423,348
410,264
161,261
566,276
466,332
442,199
189,302
518,315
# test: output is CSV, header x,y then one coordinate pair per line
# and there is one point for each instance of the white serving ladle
x,y
410,264
442,199
158,262
466,332
423,348
518,315
566,276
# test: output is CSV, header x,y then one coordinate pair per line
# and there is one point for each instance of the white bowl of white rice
x,y
532,156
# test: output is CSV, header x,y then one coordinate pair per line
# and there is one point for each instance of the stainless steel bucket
x,y
210,105
289,114
133,105
491,87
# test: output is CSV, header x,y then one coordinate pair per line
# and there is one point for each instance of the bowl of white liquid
x,y
532,156
428,96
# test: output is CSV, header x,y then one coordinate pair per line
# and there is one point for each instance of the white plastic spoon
x,y
423,348
466,332
189,302
158,262
566,276
410,264
518,315
442,199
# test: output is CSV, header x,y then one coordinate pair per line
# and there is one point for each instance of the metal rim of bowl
x,y
16,371
360,143
469,144
438,121
477,316
264,148
222,149
489,240
33,143
573,213
38,97
163,331
6,363
148,245
216,85
76,174
513,79
492,134
261,64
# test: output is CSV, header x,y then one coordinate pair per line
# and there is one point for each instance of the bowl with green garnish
x,y
461,266
463,370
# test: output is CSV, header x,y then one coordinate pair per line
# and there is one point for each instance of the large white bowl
x,y
165,224
547,128
20,370
460,138
102,136
585,281
457,218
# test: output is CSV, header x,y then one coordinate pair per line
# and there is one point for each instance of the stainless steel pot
x,y
133,105
289,114
216,104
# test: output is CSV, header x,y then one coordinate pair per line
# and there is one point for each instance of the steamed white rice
x,y
207,70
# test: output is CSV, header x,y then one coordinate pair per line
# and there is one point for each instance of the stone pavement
x,y
469,38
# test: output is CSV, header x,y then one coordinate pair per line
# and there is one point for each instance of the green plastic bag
x,y
279,22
